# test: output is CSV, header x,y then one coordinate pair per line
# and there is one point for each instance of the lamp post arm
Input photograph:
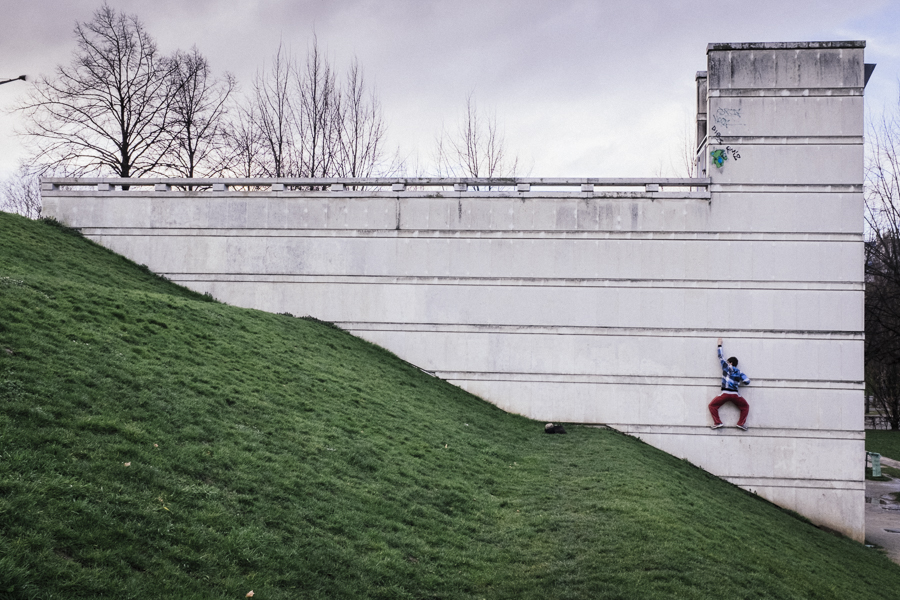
x,y
22,77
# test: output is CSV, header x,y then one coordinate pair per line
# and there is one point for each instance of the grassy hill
x,y
156,444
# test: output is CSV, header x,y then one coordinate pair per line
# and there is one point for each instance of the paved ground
x,y
883,513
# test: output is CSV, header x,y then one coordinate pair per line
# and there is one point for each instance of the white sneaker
x,y
717,426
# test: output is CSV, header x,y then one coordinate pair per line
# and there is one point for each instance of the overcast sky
x,y
595,88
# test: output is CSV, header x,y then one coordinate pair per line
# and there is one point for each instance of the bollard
x,y
876,463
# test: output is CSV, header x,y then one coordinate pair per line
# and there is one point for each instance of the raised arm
x,y
721,356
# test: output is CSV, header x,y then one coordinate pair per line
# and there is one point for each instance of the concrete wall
x,y
593,307
790,119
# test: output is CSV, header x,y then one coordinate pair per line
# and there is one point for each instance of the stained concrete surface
x,y
883,513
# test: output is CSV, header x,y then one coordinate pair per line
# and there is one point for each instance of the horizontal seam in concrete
x,y
598,193
432,281
842,484
796,435
843,188
858,434
729,47
799,485
649,380
376,181
490,281
798,92
767,478
463,234
800,141
787,188
582,382
488,328
706,380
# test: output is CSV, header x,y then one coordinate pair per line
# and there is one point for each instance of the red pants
x,y
722,399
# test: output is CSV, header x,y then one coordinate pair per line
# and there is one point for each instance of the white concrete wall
x,y
790,117
592,308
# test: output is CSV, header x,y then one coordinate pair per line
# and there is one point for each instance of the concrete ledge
x,y
846,140
785,45
788,386
825,92
787,188
819,484
475,234
707,334
757,431
189,278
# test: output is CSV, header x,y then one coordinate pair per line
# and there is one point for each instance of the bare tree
x,y
21,193
198,107
244,143
109,109
306,124
362,128
882,305
476,148
681,162
274,113
687,151
318,115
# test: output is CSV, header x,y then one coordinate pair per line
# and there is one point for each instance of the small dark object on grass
x,y
551,428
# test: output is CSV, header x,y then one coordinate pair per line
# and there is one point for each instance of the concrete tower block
x,y
783,143
786,114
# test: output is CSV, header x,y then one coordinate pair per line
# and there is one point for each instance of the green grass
x,y
890,472
884,442
285,456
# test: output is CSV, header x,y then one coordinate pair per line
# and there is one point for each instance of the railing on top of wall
x,y
395,184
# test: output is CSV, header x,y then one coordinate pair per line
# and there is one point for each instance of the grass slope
x,y
154,444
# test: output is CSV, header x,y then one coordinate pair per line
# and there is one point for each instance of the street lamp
x,y
22,77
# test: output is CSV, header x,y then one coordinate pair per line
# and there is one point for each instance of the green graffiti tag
x,y
718,157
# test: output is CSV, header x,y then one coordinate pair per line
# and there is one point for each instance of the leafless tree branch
x,y
300,123
109,109
476,148
21,193
882,309
198,116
